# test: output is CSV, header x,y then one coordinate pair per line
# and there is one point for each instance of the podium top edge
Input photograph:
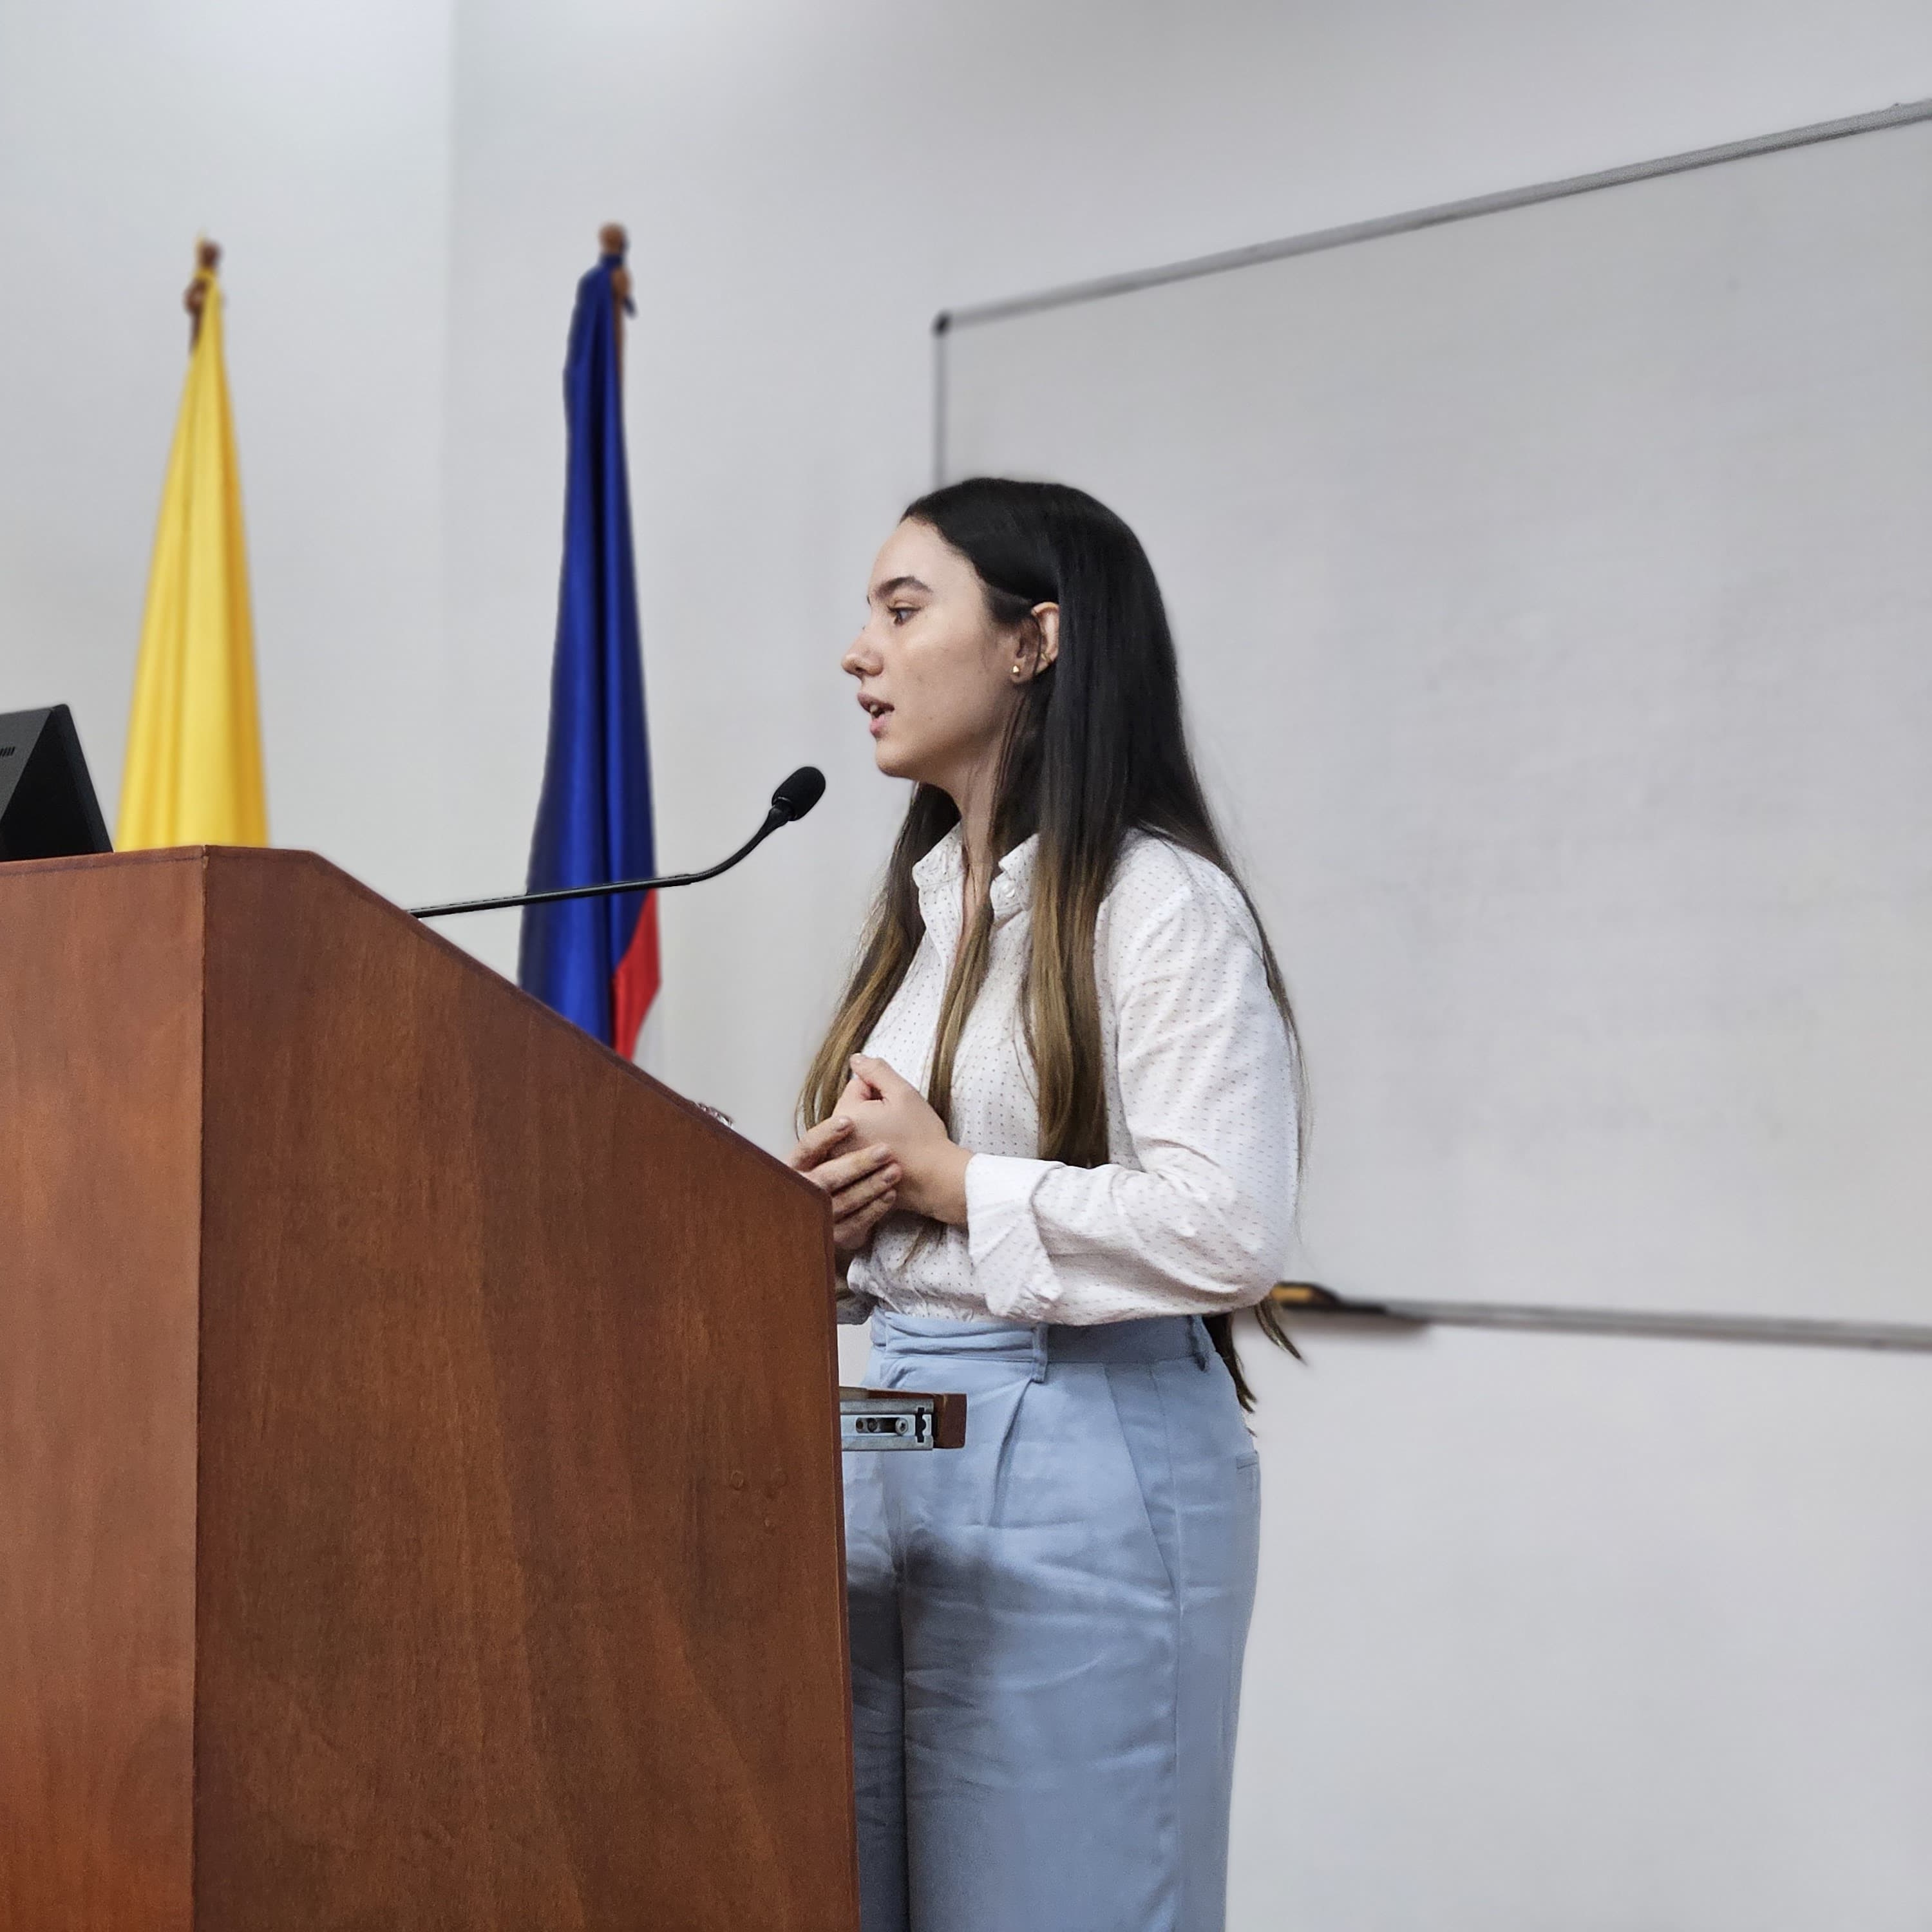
x,y
166,855
289,857
293,858
94,862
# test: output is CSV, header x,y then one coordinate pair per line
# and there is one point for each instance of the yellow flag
x,y
193,776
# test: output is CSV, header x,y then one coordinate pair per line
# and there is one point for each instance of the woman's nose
x,y
859,660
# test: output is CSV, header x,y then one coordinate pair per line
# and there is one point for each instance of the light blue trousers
x,y
1047,1631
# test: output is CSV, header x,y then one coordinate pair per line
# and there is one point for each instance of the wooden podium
x,y
419,1475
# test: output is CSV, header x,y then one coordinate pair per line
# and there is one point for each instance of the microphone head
x,y
799,794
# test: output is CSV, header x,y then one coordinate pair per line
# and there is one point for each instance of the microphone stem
x,y
773,820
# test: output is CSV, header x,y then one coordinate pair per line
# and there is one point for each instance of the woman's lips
x,y
877,723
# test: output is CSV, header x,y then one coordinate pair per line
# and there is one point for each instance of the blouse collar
x,y
938,874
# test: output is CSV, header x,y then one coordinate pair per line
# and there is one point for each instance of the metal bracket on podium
x,y
900,1419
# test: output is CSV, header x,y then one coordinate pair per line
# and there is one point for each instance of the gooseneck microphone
x,y
792,799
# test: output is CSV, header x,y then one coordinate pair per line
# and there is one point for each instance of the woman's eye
x,y
900,612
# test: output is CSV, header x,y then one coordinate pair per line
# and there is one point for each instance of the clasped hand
x,y
883,1147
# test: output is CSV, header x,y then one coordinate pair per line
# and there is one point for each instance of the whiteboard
x,y
1553,590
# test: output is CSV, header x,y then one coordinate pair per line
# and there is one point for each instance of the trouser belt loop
x,y
1040,1351
1197,1339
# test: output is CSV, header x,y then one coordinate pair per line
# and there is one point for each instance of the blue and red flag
x,y
595,961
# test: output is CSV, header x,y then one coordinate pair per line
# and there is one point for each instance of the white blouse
x,y
1191,1215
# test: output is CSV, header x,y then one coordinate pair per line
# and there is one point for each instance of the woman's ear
x,y
1046,639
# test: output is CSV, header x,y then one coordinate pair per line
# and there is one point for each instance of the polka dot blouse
x,y
1191,1213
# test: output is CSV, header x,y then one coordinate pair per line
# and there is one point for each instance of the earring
x,y
1016,671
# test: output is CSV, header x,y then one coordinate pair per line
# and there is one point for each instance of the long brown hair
x,y
1097,749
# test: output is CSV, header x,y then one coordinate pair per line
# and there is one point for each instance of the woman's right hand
x,y
862,1181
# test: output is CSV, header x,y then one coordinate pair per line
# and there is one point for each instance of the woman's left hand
x,y
889,1110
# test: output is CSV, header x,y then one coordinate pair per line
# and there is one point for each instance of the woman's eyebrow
x,y
881,591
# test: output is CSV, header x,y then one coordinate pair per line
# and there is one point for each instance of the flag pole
x,y
612,239
207,260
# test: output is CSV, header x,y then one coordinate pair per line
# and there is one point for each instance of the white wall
x,y
1502,1574
313,144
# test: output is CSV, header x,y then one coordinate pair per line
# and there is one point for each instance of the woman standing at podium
x,y
1057,1115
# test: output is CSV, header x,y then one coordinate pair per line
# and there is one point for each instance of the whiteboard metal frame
x,y
1797,1331
1101,287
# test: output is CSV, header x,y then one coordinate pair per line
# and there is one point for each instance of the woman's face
x,y
936,677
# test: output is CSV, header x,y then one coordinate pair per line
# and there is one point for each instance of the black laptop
x,y
47,806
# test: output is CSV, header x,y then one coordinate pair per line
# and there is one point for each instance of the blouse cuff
x,y
1011,1269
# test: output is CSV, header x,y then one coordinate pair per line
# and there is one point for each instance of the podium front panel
x,y
100,1016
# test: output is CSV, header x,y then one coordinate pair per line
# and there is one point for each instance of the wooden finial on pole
x,y
612,240
207,258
